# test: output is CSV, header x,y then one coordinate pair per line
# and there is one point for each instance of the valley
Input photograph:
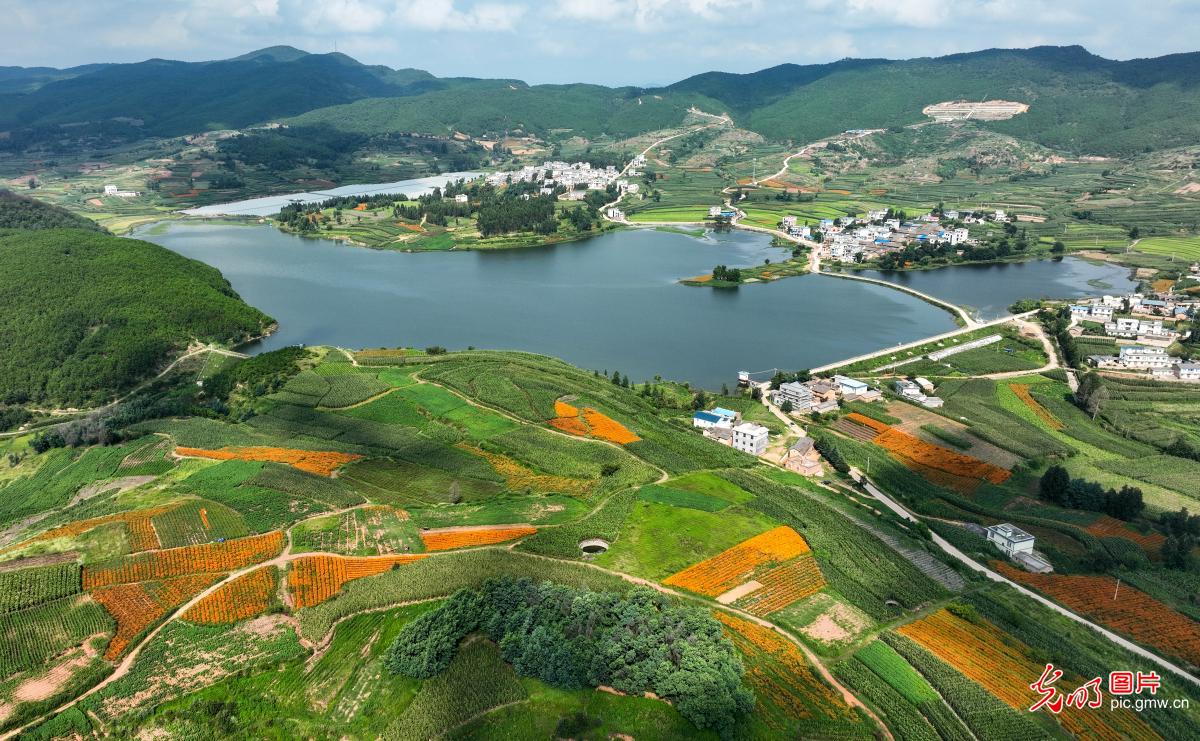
x,y
826,401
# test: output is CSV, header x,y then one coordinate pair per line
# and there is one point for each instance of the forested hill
x,y
162,97
496,106
1079,102
20,212
85,315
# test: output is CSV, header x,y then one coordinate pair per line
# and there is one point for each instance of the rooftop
x,y
1010,532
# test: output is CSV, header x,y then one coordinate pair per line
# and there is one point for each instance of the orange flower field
x,y
1044,414
783,585
1004,667
136,607
314,579
518,478
322,463
1133,612
192,559
244,597
444,540
1110,527
866,421
593,424
925,457
137,523
736,565
608,429
780,674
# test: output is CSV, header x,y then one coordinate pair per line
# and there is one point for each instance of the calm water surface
x,y
270,205
606,303
988,290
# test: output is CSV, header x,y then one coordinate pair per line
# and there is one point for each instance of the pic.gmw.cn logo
x,y
1122,685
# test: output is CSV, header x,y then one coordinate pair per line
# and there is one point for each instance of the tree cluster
x,y
1057,486
575,638
1183,533
727,274
828,449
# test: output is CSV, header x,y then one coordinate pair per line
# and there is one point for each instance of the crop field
x,y
998,663
431,493
310,461
793,698
1182,248
175,562
465,537
138,606
313,579
197,521
373,530
1124,609
659,539
244,597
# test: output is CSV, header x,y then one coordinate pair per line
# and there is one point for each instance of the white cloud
x,y
443,15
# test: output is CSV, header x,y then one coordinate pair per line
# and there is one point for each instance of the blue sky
x,y
615,42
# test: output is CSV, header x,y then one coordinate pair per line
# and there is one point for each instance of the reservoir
x,y
607,303
986,291
270,205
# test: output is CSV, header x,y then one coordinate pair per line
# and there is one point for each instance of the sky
x,y
611,42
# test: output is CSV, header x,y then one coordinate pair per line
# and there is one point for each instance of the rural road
x,y
954,552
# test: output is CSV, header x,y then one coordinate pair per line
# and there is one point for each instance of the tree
x,y
1054,484
786,406
1095,402
1058,247
1134,232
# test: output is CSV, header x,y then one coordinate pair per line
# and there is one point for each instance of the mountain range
x,y
1079,102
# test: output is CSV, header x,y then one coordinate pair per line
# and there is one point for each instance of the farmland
x,y
287,552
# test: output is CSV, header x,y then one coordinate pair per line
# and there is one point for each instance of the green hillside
x,y
496,106
85,315
1078,102
161,97
19,212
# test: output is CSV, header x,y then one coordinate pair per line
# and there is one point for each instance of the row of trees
x,y
575,638
1059,487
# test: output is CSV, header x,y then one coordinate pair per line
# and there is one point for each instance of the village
x,y
1143,329
882,231
572,180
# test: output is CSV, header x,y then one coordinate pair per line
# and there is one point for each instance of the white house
x,y
851,388
1018,545
1100,311
787,222
728,415
460,198
750,438
1141,356
1080,310
958,236
110,190
1010,539
1188,371
950,215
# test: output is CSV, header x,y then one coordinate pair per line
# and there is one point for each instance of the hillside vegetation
x,y
497,106
84,315
19,212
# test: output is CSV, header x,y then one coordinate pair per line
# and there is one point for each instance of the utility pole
x,y
1118,588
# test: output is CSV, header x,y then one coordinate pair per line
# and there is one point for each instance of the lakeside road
x,y
974,565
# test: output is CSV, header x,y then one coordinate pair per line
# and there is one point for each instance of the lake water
x,y
270,205
608,303
987,291
611,302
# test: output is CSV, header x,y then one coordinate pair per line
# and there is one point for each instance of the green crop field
x,y
1181,248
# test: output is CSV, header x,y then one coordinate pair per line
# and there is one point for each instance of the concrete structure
x,y
802,457
704,420
750,438
1010,539
850,387
798,394
1018,545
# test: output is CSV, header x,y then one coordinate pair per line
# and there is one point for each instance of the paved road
x,y
918,343
971,563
